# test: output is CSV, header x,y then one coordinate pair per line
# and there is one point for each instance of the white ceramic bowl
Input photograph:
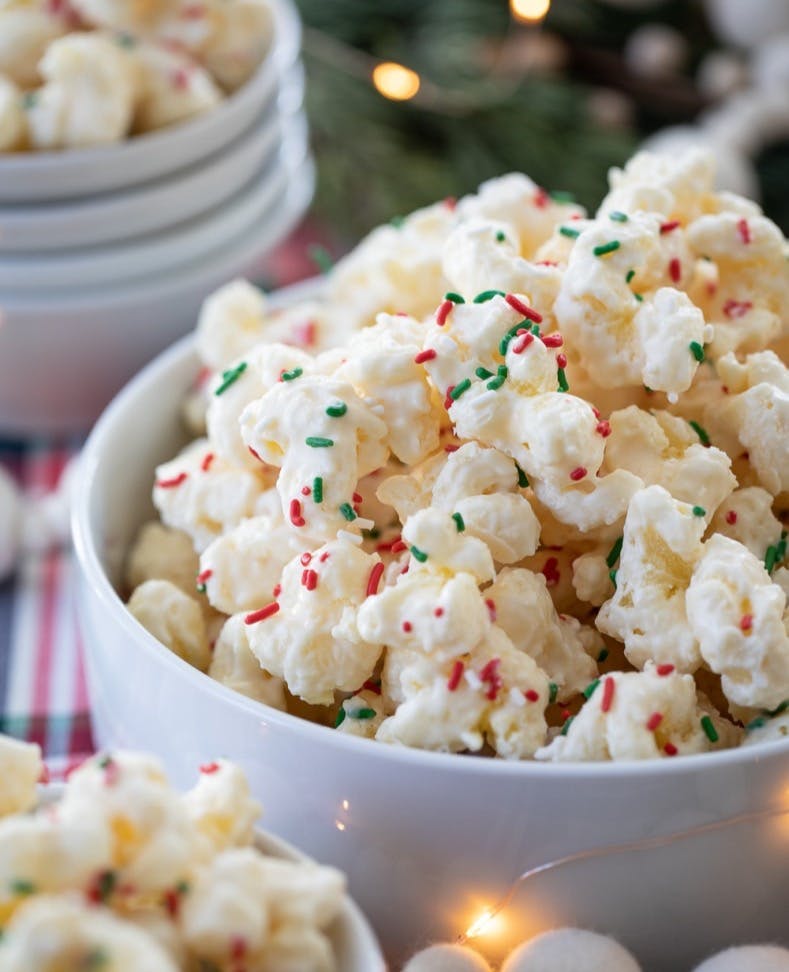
x,y
63,357
355,947
429,841
164,203
40,176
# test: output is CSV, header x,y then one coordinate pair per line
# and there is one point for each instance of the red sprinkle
x,y
550,571
44,775
552,340
372,686
450,202
737,308
668,227
324,556
731,517
309,579
457,673
578,473
254,454
520,346
399,546
608,694
208,458
238,947
489,673
262,613
746,623
204,575
443,312
305,558
603,428
305,491
532,695
665,669
357,497
374,579
407,626
675,270
209,768
596,412
670,749
744,230
172,483
490,604
654,721
427,355
528,312
295,513
439,612
277,590
540,198
448,400
304,334
451,448
561,360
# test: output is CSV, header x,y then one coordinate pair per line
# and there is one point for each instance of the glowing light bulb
x,y
486,923
339,825
395,81
529,11
345,804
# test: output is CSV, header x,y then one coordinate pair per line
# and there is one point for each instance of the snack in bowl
x,y
124,872
513,485
94,73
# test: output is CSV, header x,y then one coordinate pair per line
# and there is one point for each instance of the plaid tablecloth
x,y
43,696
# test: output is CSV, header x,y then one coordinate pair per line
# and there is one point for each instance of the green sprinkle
x,y
700,432
779,709
500,237
602,656
317,489
483,373
29,100
566,726
568,231
231,376
182,887
638,297
22,887
337,411
562,379
561,196
523,479
618,217
697,350
420,555
553,692
96,958
105,885
125,40
348,512
612,575
201,588
363,714
495,383
105,761
397,221
318,442
460,388
590,689
629,276
487,295
321,257
699,511
459,522
614,552
340,717
606,248
455,298
709,729
292,375
781,548
535,330
770,558
373,534
756,723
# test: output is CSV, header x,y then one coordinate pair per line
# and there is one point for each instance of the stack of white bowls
x,y
107,253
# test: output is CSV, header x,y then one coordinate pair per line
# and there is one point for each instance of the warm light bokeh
x,y
394,81
529,11
487,923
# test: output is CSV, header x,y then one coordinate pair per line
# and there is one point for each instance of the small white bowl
x,y
165,203
352,939
63,357
65,272
38,176
429,841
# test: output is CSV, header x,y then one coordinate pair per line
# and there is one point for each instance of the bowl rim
x,y
94,575
283,51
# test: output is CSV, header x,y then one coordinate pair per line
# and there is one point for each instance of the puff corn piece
x,y
25,34
174,618
234,665
13,123
21,769
172,87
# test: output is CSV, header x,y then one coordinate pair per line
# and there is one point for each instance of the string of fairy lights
x,y
398,82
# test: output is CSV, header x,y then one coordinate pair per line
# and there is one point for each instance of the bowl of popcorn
x,y
116,869
475,559
148,153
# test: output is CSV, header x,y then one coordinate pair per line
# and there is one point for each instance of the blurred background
x,y
410,101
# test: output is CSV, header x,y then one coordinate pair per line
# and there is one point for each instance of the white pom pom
x,y
744,24
571,950
10,517
447,958
655,51
770,63
45,519
748,958
720,74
